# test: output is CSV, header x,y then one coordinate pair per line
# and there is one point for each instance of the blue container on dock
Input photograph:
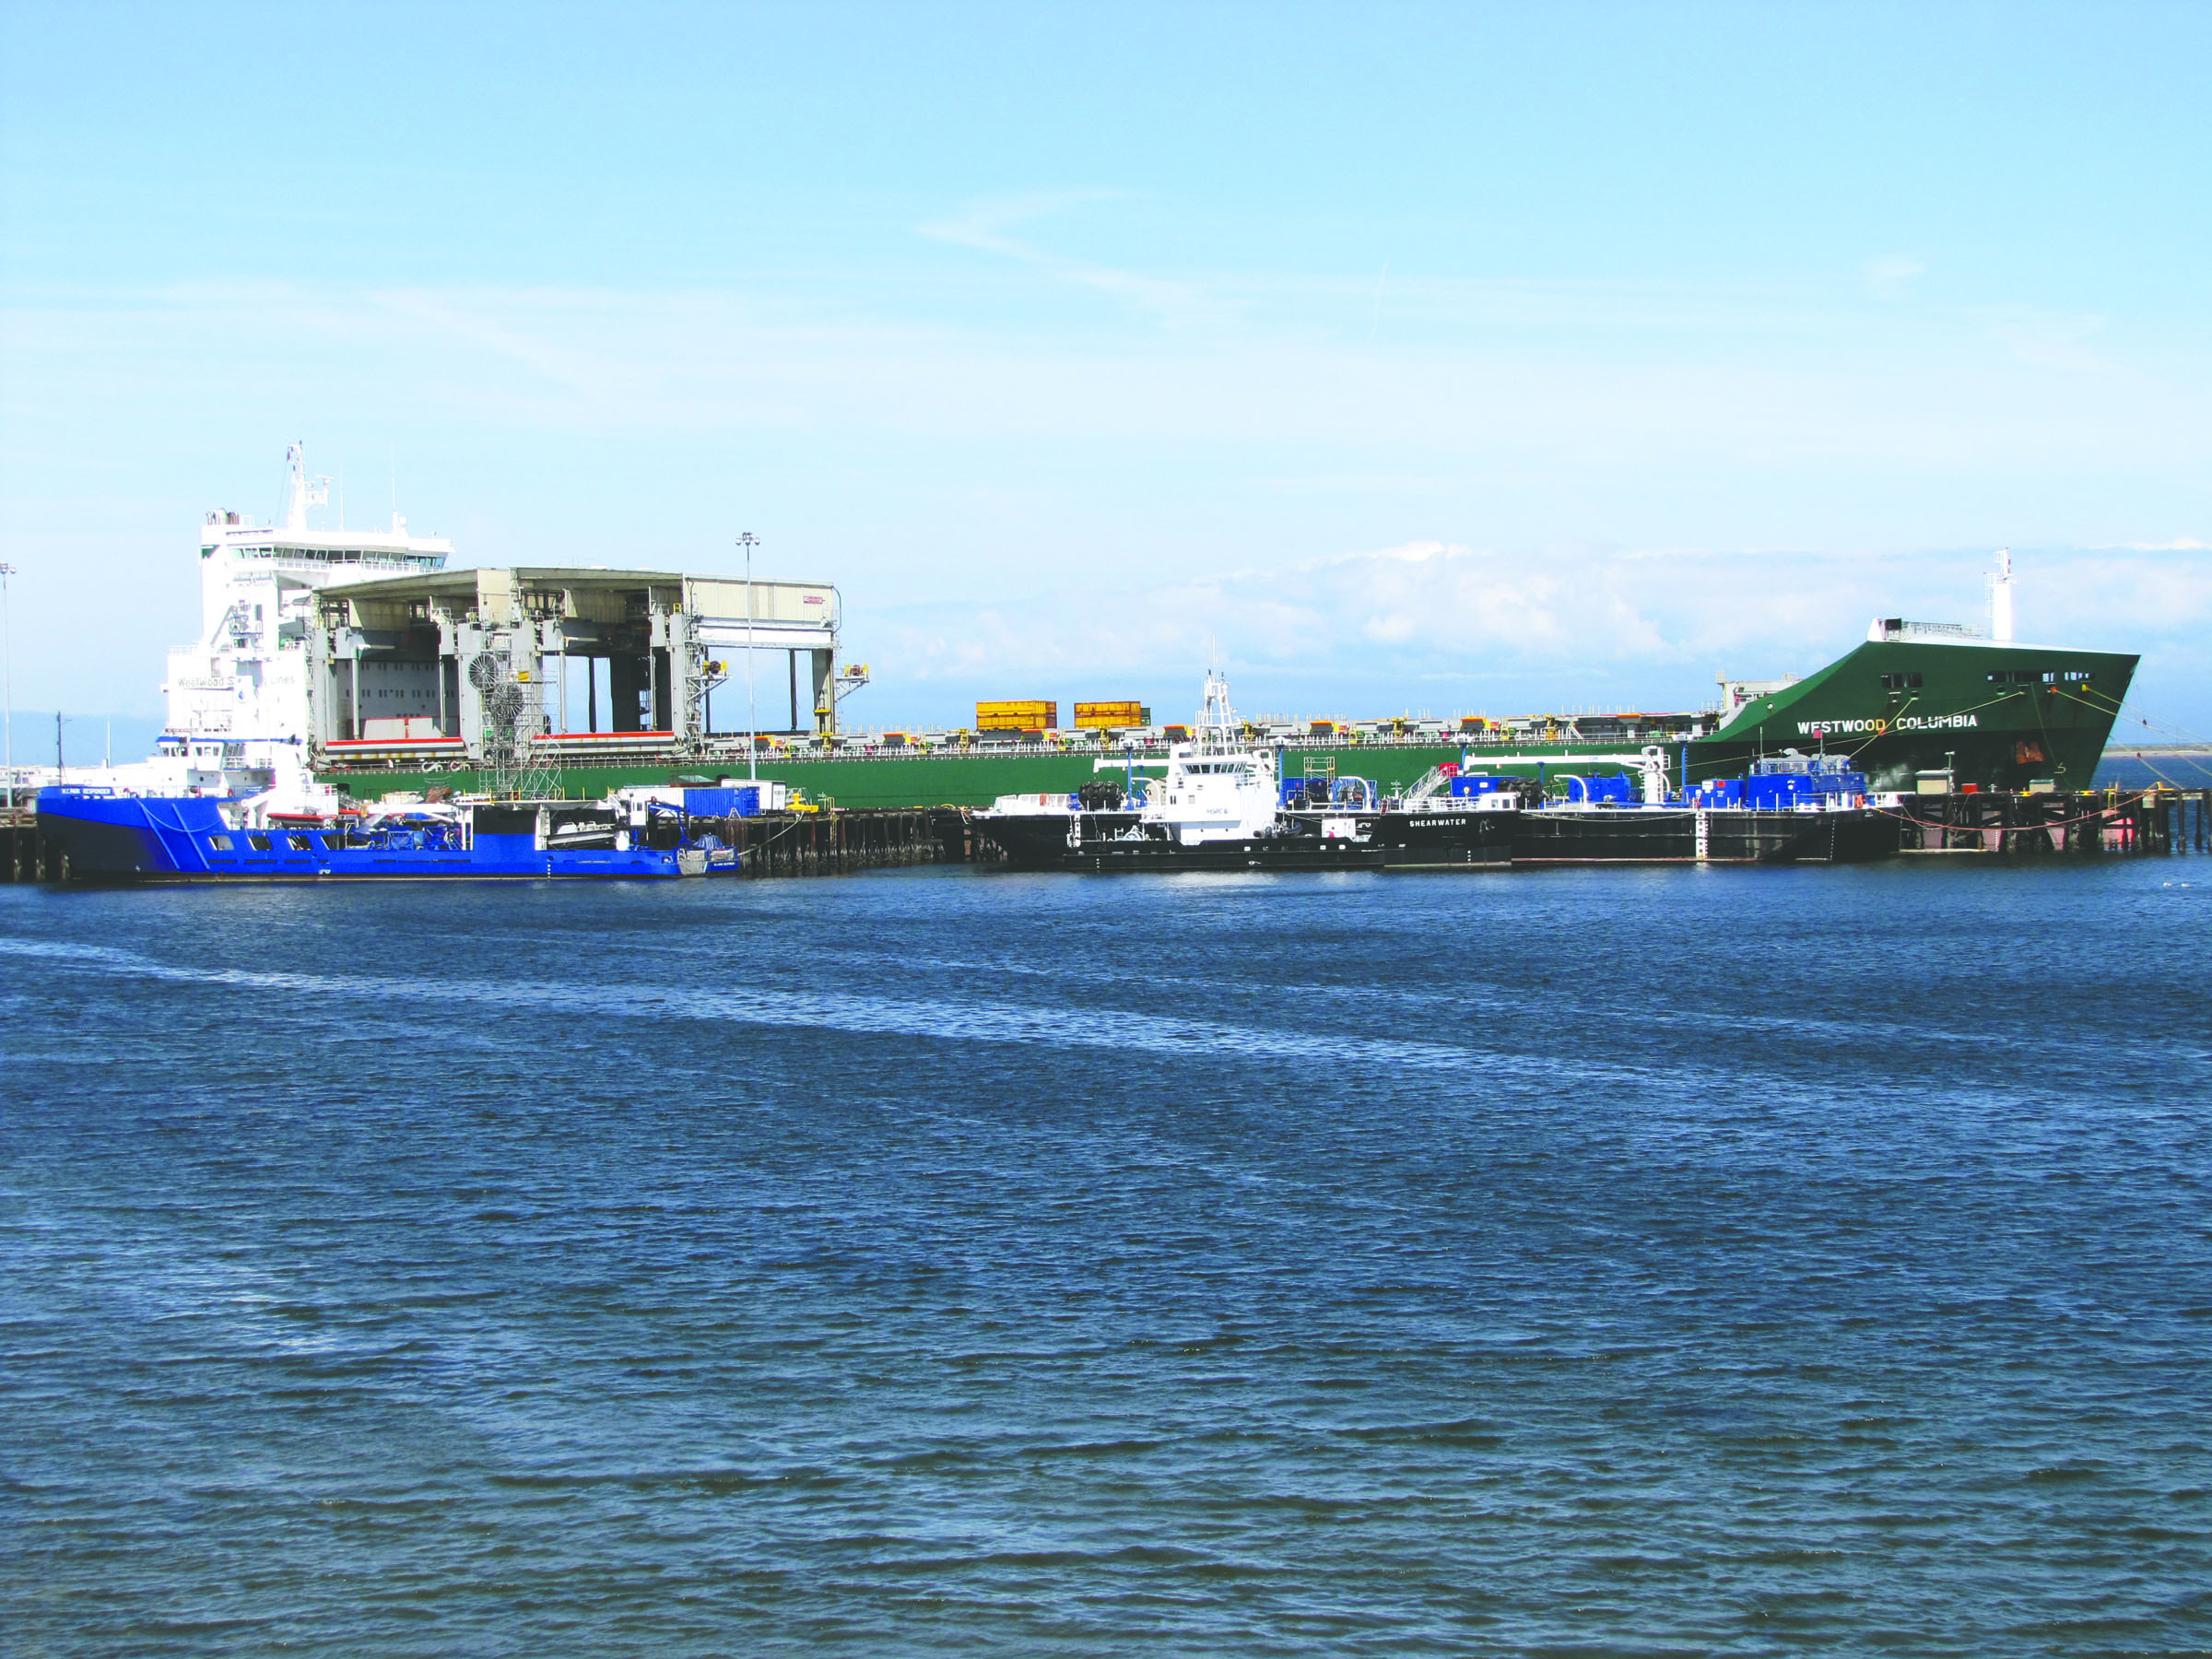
x,y
1780,792
1788,780
740,801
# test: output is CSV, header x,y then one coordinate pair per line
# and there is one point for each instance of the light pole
x,y
8,692
748,541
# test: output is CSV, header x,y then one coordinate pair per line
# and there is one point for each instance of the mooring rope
x,y
2117,806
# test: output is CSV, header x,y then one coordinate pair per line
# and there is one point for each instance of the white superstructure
x,y
238,696
1884,629
2000,598
1216,787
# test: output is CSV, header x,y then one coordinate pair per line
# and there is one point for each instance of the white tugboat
x,y
1220,803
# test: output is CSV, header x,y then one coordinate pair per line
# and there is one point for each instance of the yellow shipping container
x,y
1112,714
1030,715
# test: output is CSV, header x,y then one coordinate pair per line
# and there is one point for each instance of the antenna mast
x,y
748,541
306,491
7,684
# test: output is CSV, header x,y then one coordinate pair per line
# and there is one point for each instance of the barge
x,y
1220,803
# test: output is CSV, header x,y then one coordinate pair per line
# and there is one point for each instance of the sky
x,y
1452,358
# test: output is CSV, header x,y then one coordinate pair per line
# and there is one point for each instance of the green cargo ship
x,y
1914,699
358,654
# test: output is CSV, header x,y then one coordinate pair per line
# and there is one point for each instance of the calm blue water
x,y
1609,1261
2179,771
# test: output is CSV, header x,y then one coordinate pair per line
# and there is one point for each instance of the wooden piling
x,y
22,855
2155,821
841,841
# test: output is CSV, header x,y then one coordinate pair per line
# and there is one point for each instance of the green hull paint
x,y
884,781
2039,723
2003,736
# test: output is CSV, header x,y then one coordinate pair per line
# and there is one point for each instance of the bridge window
x,y
219,843
260,844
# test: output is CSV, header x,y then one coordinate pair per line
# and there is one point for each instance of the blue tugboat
x,y
106,835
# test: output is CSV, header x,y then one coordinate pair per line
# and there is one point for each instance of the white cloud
x,y
1556,470
1478,628
984,227
2047,339
1889,276
1583,387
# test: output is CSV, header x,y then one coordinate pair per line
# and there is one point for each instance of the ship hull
x,y
1107,843
1956,718
1659,835
1446,840
1268,854
132,839
1999,716
1111,843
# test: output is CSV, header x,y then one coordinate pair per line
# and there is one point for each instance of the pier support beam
x,y
825,691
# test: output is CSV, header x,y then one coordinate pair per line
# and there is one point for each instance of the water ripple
x,y
1625,1263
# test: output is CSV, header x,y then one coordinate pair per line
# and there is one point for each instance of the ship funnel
x,y
2000,598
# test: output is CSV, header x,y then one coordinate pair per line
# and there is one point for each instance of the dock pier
x,y
835,842
2161,820
24,855
2156,820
